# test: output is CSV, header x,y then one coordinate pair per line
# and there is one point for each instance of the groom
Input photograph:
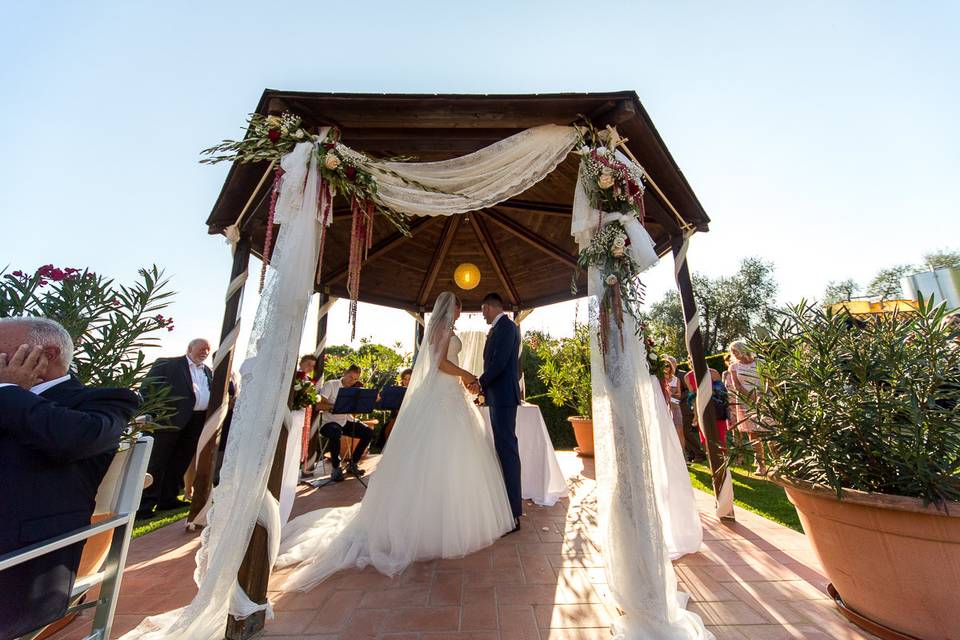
x,y
500,384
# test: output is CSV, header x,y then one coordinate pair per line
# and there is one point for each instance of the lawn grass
x,y
158,520
751,493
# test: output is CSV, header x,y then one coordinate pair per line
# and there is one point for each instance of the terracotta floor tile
x,y
446,589
337,610
405,596
423,619
565,616
538,570
518,623
727,613
479,609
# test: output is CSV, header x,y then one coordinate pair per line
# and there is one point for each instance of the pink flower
x,y
57,275
17,274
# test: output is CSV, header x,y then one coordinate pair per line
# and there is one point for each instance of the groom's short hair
x,y
494,299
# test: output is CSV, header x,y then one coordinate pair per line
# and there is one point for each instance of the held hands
x,y
472,384
25,368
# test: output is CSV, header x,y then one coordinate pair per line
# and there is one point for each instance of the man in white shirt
x,y
173,449
335,425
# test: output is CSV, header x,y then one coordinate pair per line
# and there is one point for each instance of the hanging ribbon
x,y
305,435
268,238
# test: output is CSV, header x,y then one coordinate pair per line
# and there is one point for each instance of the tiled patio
x,y
752,579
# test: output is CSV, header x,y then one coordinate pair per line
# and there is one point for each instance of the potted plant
x,y
565,370
864,433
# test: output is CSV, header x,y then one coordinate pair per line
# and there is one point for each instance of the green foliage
x,y
730,307
111,324
869,405
561,434
565,369
841,291
942,259
886,284
380,365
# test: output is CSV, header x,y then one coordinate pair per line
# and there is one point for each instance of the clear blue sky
x,y
821,135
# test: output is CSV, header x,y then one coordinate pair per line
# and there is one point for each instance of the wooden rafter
x,y
380,248
520,231
446,241
486,242
539,207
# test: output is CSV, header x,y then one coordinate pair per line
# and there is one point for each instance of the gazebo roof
x,y
522,247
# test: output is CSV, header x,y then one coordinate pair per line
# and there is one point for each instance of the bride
x,y
438,489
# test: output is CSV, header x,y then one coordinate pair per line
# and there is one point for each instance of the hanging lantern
x,y
467,276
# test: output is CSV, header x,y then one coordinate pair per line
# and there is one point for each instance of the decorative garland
x,y
612,187
343,171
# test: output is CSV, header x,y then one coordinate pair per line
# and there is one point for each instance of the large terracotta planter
x,y
583,431
892,560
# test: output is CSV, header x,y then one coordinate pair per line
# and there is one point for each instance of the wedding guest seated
x,y
57,439
405,376
336,425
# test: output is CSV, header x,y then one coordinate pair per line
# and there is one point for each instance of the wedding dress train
x,y
437,491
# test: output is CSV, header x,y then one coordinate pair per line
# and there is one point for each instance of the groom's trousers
x,y
504,422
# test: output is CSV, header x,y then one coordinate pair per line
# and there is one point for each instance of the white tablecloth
x,y
541,479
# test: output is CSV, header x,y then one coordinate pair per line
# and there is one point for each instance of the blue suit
x,y
501,390
54,452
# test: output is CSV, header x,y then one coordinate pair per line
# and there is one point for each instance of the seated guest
x,y
336,425
173,449
405,376
384,433
57,439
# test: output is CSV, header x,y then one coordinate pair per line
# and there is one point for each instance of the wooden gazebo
x,y
523,246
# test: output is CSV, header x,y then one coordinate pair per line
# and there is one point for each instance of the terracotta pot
x,y
893,560
583,430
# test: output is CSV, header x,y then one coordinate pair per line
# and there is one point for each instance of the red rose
x,y
274,135
350,171
329,145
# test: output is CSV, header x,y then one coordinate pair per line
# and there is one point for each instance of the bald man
x,y
57,439
173,449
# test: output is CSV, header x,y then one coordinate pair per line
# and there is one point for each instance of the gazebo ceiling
x,y
522,247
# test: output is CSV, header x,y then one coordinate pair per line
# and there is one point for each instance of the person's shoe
x,y
176,504
355,470
337,474
144,514
516,527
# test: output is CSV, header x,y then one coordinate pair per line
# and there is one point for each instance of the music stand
x,y
354,400
391,398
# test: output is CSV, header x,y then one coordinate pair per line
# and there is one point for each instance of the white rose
x,y
331,161
274,122
653,357
605,181
611,280
299,134
618,251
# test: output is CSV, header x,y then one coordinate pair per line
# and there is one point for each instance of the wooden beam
x,y
487,244
446,241
379,249
206,457
708,420
539,242
254,573
539,207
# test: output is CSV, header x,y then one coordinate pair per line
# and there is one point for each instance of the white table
x,y
541,479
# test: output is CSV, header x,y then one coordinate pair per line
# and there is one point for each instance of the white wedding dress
x,y
437,491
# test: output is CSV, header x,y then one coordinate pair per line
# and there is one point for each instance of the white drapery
x,y
639,571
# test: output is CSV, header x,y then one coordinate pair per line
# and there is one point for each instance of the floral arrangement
x,y
112,326
656,363
343,171
304,391
613,187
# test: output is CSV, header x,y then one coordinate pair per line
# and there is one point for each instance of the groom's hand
x,y
474,388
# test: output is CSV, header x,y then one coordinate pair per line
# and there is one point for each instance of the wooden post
x,y
206,458
417,334
254,573
707,416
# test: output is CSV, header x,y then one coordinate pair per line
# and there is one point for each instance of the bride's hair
x,y
441,318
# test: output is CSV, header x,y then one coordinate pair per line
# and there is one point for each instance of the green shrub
x,y
866,405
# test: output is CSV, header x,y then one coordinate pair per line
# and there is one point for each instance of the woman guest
x,y
743,374
672,385
718,397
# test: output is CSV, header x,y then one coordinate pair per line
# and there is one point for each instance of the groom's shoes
x,y
516,527
354,470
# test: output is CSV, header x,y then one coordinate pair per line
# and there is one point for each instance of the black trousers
x,y
173,451
503,419
358,430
